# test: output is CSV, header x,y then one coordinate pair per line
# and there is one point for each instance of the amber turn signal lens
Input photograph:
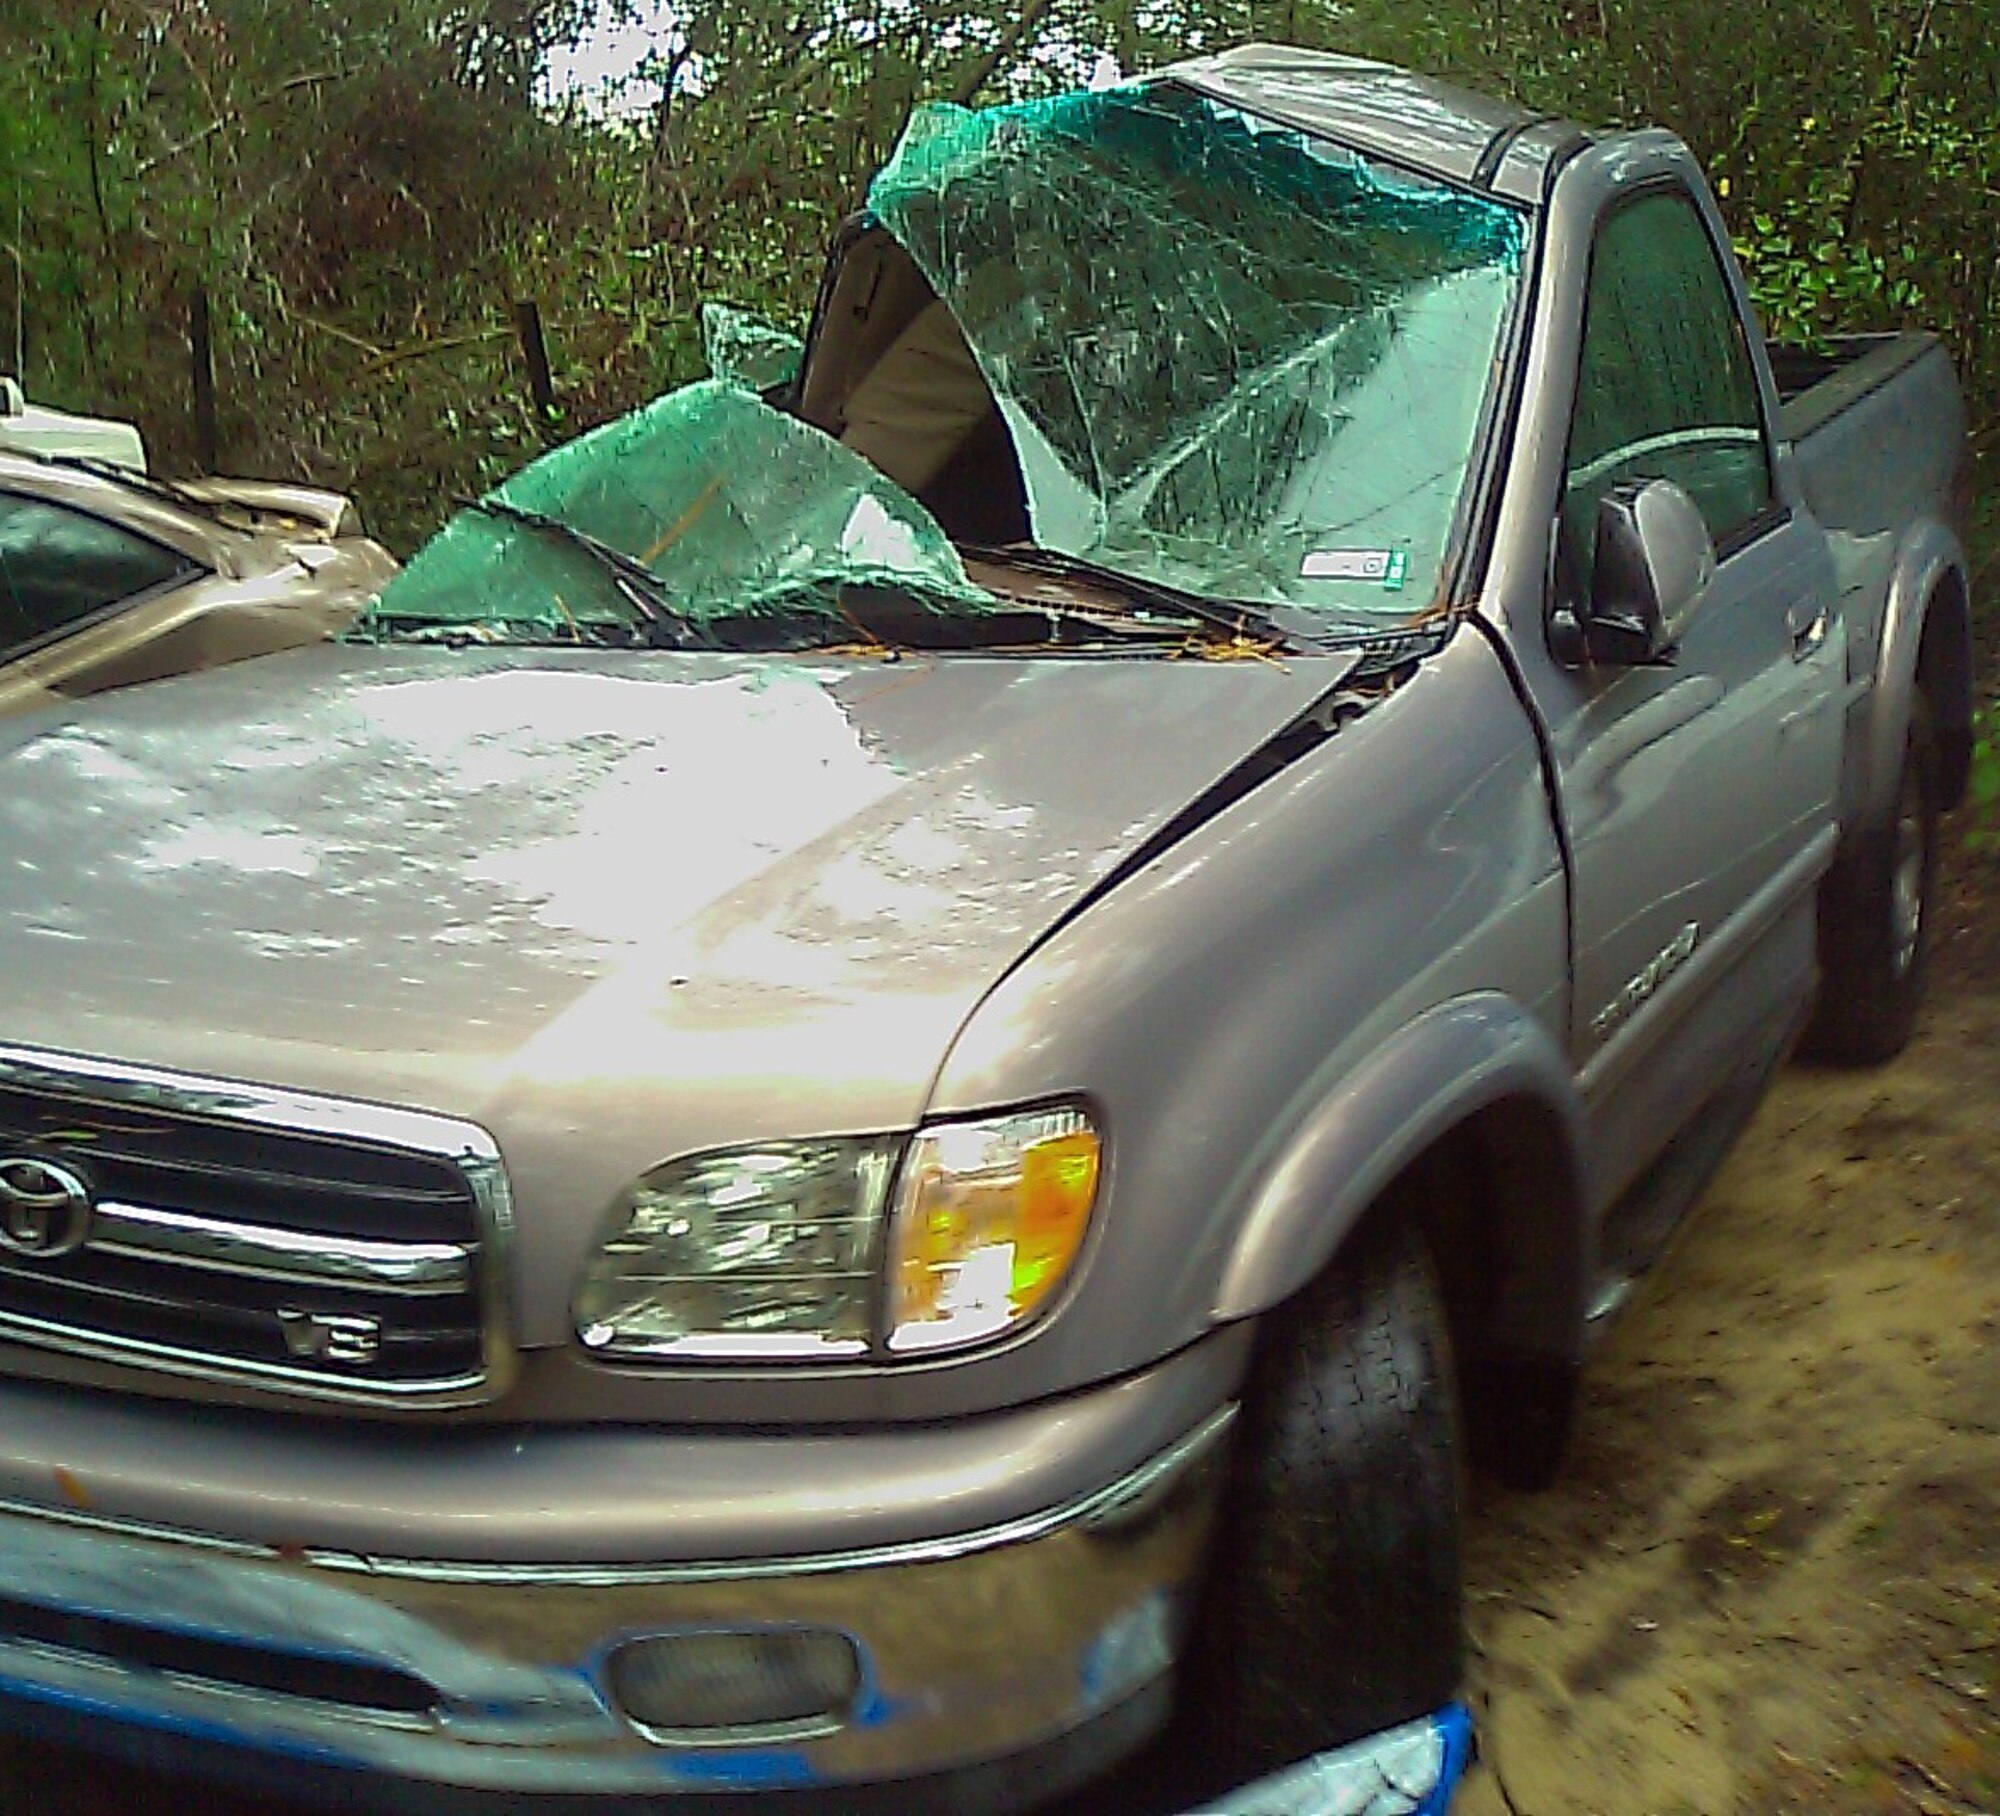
x,y
989,1219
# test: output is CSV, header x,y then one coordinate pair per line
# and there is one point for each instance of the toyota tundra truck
x,y
906,1061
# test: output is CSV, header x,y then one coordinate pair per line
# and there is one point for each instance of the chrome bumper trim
x,y
1129,1499
976,1647
1125,1500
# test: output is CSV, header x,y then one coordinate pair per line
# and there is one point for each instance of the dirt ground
x,y
1769,1579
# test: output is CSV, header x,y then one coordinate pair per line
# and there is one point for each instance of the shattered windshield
x,y
1232,358
747,350
737,510
1236,364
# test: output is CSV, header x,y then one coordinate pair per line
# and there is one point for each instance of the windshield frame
x,y
1469,545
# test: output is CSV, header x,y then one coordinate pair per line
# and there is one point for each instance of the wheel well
x,y
1944,677
1500,1208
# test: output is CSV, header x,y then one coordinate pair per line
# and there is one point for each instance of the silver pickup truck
x,y
913,1057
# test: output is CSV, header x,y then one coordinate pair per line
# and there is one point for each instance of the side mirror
x,y
1653,566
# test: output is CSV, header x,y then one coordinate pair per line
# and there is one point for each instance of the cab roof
x,y
1422,124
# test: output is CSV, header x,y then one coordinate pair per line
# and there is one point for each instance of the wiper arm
x,y
1233,617
666,625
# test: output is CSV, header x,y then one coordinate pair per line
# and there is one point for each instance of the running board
x,y
1640,1228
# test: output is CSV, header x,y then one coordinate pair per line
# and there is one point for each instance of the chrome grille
x,y
307,1243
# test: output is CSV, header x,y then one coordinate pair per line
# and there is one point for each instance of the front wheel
x,y
1874,920
1334,1605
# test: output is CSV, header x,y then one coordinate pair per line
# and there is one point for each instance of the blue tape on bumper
x,y
1455,1724
1414,1770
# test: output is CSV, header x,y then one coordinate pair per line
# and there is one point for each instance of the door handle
x,y
1807,620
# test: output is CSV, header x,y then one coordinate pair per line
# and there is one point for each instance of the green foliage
x,y
364,187
1809,275
1983,796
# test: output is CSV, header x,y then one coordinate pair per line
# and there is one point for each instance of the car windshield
x,y
737,508
1233,358
1235,363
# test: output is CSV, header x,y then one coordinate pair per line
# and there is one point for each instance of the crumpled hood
x,y
613,905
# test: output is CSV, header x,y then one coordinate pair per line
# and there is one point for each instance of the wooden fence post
x,y
201,348
534,349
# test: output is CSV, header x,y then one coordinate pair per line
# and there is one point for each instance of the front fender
x,y
1453,1062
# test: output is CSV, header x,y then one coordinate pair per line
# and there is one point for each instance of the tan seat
x,y
919,402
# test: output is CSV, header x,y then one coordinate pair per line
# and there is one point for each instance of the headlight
x,y
988,1218
774,1252
766,1251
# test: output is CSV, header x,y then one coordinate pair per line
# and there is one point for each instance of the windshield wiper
x,y
1234,618
666,626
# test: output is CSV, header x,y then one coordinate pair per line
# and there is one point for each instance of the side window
x,y
58,566
1666,389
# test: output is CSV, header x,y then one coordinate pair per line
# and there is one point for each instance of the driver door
x,y
1698,794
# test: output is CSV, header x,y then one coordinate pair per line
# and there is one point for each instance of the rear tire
x,y
1334,1606
1874,919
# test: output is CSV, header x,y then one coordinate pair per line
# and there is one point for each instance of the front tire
x,y
1874,920
1334,1605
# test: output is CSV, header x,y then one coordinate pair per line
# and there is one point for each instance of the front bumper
x,y
1047,1638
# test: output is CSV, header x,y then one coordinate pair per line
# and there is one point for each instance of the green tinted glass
x,y
1666,389
748,350
1232,358
736,509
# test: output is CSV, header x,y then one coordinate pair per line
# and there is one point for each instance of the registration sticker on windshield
x,y
1388,568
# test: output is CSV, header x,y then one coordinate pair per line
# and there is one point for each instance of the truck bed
x,y
1816,384
1877,426
1879,431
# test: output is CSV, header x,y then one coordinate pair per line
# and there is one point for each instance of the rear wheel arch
x,y
1926,648
1875,909
1875,901
1944,678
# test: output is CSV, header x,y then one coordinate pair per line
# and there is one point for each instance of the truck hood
x,y
613,905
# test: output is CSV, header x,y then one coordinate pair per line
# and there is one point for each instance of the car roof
x,y
1423,124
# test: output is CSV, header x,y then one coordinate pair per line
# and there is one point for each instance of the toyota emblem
x,y
44,1208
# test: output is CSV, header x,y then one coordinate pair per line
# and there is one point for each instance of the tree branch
x,y
424,349
1027,22
339,334
292,85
